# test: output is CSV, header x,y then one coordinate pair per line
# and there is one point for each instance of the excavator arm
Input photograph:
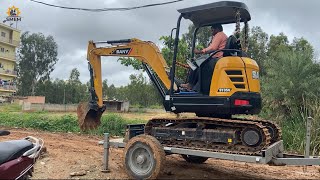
x,y
89,113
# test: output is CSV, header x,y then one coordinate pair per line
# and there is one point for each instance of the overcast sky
x,y
72,29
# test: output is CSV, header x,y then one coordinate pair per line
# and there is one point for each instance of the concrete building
x,y
9,40
117,106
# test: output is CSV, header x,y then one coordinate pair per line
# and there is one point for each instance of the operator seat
x,y
232,43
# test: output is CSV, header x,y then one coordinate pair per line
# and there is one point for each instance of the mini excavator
x,y
228,87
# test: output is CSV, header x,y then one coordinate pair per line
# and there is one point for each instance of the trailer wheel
x,y
194,159
144,157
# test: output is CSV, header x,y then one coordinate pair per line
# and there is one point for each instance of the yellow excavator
x,y
228,87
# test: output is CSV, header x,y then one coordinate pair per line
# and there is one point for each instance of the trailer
x,y
143,157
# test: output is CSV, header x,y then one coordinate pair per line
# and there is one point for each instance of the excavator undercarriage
x,y
236,136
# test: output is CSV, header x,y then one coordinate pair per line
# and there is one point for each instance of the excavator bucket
x,y
88,118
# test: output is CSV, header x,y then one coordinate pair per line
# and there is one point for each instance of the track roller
x,y
251,137
144,157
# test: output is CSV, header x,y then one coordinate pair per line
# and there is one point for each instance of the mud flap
x,y
88,118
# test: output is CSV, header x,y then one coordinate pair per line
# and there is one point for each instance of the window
x,y
2,49
3,34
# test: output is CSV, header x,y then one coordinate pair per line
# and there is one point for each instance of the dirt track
x,y
69,153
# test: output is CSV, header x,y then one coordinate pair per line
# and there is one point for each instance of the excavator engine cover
x,y
88,118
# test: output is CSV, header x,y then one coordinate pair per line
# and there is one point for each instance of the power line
x,y
106,9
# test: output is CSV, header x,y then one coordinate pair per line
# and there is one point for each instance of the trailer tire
x,y
144,157
194,159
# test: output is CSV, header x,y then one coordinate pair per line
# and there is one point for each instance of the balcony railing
x,y
10,72
8,56
10,41
8,87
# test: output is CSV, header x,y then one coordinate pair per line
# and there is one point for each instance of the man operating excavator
x,y
218,42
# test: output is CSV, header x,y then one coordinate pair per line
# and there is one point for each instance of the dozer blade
x,y
88,118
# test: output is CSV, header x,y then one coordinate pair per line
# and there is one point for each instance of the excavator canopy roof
x,y
219,12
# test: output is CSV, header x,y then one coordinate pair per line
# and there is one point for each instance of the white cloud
x,y
73,29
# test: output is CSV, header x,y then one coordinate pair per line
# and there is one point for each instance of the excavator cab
x,y
229,86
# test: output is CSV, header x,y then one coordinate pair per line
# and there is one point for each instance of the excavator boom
x,y
89,113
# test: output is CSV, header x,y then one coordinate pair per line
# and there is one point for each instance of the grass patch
x,y
294,135
10,108
111,123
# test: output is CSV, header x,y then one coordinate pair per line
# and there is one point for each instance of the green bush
x,y
293,127
111,123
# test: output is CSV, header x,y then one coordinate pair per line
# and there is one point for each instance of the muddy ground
x,y
68,153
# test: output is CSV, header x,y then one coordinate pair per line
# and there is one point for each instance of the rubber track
x,y
233,123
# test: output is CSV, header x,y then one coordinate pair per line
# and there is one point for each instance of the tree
x,y
258,46
182,55
61,91
112,92
73,88
141,92
203,36
46,88
37,56
279,41
292,76
128,61
74,76
105,88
